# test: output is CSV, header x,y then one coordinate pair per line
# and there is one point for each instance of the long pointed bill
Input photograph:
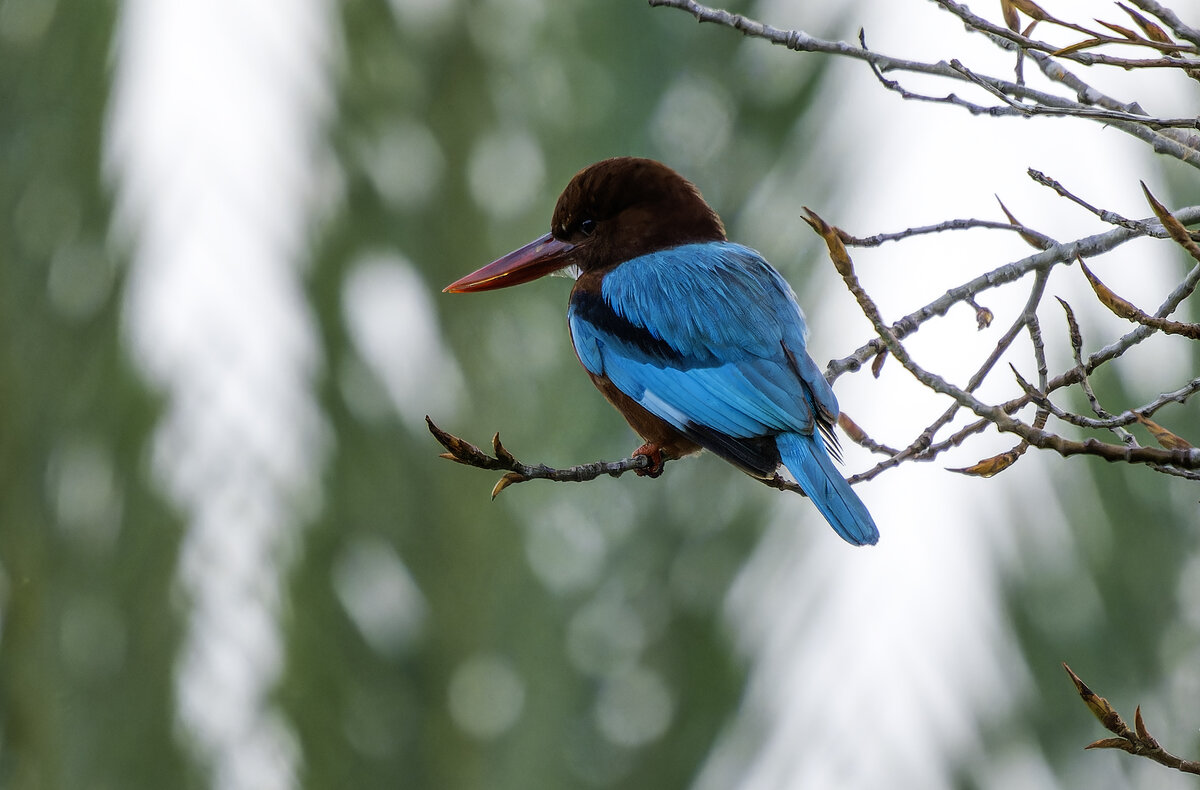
x,y
536,259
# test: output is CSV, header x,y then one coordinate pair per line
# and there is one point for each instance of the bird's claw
x,y
657,461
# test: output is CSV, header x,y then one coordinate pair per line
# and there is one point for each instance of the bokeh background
x,y
229,556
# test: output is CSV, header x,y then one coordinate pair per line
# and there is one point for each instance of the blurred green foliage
x,y
555,638
87,547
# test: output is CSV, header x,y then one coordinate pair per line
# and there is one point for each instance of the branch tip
x,y
463,452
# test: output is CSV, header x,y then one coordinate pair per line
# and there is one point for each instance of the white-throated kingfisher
x,y
697,341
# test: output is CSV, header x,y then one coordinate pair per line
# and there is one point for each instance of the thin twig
x,y
1128,417
1105,115
1183,458
463,452
1085,382
1089,246
1169,18
941,227
1168,142
1128,119
860,437
1111,217
1010,39
1137,741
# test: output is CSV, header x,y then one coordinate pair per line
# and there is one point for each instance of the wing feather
x,y
707,337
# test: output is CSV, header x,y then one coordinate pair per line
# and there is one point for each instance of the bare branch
x,y
1084,382
1168,142
1128,417
948,225
1009,39
1127,310
1137,741
1165,135
1030,110
1087,247
997,415
463,452
1111,217
1173,225
1169,18
860,437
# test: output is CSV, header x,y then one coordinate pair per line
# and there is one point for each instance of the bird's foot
x,y
655,453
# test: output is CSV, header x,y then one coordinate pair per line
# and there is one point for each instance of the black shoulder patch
x,y
592,308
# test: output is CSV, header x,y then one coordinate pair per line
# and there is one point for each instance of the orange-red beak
x,y
536,259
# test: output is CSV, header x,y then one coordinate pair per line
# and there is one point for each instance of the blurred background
x,y
229,554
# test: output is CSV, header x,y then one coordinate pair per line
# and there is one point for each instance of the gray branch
x,y
1017,98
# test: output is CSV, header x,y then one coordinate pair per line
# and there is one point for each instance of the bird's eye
x,y
587,227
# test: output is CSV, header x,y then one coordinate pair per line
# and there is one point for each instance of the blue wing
x,y
709,338
704,335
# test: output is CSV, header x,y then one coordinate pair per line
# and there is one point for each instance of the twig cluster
x,y
1174,137
1174,456
1137,740
463,452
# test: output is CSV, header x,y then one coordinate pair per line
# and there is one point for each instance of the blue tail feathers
x,y
807,459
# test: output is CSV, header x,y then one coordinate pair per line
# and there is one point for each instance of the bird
x,y
696,340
